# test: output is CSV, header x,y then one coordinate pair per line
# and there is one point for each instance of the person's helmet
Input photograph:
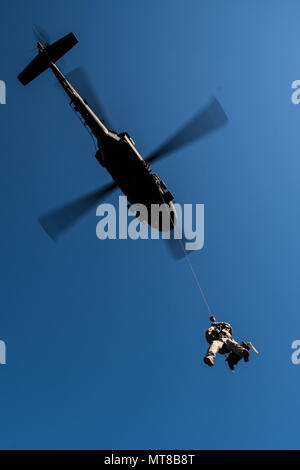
x,y
212,318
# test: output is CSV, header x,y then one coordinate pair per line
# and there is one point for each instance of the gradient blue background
x,y
105,339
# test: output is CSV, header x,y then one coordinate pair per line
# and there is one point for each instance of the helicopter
x,y
116,152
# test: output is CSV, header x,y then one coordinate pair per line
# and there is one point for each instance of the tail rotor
x,y
41,35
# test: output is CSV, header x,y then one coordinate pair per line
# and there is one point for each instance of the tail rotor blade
x,y
208,120
41,35
56,222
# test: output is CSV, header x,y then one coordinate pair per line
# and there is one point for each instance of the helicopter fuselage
x,y
118,155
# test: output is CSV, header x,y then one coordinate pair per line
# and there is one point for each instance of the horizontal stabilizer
x,y
51,53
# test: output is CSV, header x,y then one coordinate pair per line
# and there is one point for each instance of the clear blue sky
x,y
105,339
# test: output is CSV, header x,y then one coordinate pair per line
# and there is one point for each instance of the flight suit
x,y
219,337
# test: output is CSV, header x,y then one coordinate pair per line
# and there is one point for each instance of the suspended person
x,y
219,337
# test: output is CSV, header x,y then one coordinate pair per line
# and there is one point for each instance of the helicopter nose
x,y
173,215
167,218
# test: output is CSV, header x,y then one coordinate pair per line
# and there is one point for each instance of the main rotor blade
x,y
177,248
208,120
59,220
81,82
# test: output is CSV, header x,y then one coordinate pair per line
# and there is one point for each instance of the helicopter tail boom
x,y
47,55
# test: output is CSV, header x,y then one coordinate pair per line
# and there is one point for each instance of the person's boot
x,y
245,345
246,355
209,361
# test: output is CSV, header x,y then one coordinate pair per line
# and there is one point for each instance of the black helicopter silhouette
x,y
115,152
